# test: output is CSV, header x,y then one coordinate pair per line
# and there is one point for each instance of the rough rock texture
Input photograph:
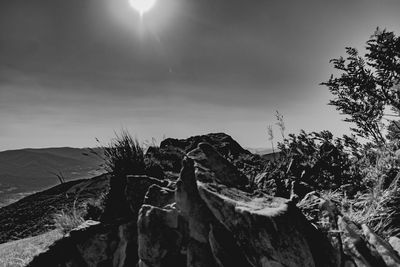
x,y
214,168
172,151
92,244
226,226
395,243
210,216
112,242
223,143
355,245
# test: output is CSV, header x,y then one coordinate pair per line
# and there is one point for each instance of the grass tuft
x,y
67,221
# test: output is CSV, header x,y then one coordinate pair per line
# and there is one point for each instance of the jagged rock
x,y
280,236
280,239
159,238
323,213
385,250
172,151
223,143
160,234
213,167
91,244
394,241
355,246
197,215
154,170
136,189
159,196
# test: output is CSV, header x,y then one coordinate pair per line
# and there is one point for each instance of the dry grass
x,y
21,252
66,221
377,208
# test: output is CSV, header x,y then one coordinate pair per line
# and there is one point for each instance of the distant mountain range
x,y
27,170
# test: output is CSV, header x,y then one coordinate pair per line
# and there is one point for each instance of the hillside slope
x,y
34,214
26,170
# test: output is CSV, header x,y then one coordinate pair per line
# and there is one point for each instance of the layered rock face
x,y
210,216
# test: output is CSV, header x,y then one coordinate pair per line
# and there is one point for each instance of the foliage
x,y
366,89
318,160
94,208
67,221
271,137
124,156
21,252
368,84
280,123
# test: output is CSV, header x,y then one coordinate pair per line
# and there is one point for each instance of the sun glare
x,y
142,6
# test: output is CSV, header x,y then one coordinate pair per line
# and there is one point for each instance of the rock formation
x,y
211,216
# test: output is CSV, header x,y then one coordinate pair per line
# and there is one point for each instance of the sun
x,y
142,6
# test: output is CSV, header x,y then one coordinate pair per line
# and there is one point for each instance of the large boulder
x,y
212,167
160,235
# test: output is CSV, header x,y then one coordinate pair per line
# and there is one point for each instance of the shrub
x,y
124,156
94,208
378,205
67,221
318,160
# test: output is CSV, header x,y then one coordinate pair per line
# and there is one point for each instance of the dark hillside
x,y
34,214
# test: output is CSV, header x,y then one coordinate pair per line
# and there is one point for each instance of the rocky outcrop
x,y
172,151
216,222
211,216
222,142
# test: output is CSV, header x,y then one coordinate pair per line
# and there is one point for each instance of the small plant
x,y
280,123
271,137
67,221
59,176
124,156
94,208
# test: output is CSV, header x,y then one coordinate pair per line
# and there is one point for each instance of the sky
x,y
72,71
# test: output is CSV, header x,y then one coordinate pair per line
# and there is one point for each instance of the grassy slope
x,y
34,214
21,252
27,170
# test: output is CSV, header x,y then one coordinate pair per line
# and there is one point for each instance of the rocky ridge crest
x,y
211,216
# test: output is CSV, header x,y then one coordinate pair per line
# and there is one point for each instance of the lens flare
x,y
142,6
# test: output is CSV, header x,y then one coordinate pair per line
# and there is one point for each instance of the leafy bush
x,y
368,84
319,161
378,205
